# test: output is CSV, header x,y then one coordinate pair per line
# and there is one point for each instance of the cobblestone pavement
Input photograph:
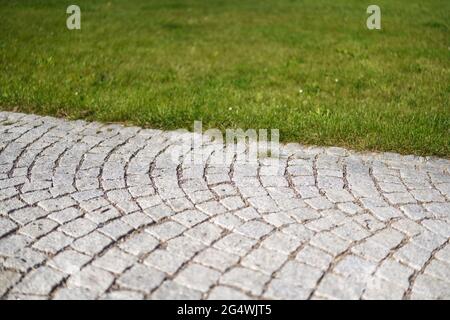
x,y
93,211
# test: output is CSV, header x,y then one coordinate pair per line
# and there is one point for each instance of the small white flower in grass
x,y
336,80
300,91
230,108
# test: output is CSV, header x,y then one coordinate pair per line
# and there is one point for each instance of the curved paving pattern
x,y
101,211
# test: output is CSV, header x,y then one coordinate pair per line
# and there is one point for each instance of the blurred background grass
x,y
310,68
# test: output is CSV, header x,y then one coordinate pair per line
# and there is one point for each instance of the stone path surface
x,y
92,211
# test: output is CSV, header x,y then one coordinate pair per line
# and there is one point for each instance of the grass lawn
x,y
310,68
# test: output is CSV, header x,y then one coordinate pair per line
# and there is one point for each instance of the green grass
x,y
310,67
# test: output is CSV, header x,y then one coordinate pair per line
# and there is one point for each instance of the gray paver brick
x,y
78,228
284,289
245,279
216,259
431,287
51,205
69,261
205,232
300,274
53,242
170,290
197,277
165,230
314,257
264,260
74,294
116,229
139,244
6,226
137,219
65,215
92,244
254,229
413,255
8,279
141,278
91,278
115,260
235,243
122,295
330,243
337,287
165,261
40,281
24,259
190,218
226,293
